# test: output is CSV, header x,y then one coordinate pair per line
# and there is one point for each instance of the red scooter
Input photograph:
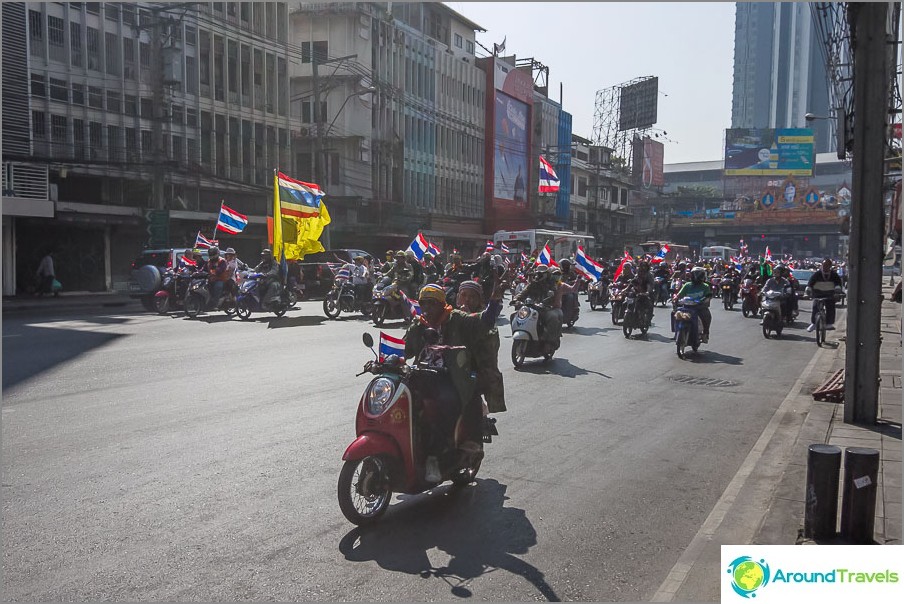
x,y
389,452
750,298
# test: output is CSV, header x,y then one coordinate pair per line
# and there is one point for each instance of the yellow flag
x,y
308,233
277,219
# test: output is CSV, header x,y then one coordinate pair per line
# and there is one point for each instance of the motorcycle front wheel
x,y
243,309
229,306
628,324
592,301
331,307
519,352
363,490
681,341
193,304
726,302
379,314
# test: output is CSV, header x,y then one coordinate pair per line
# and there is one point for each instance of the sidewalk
x,y
69,300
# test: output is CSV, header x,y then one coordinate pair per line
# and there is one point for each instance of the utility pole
x,y
871,79
158,112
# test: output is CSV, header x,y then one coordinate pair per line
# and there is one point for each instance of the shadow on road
x,y
302,321
793,337
557,366
709,356
586,331
211,319
472,525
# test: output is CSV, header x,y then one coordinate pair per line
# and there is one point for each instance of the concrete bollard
x,y
858,500
823,464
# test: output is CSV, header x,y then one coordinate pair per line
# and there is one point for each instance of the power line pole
x,y
158,112
871,79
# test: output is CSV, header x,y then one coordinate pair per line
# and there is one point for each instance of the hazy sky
x,y
590,46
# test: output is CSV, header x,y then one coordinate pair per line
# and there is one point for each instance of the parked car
x,y
317,275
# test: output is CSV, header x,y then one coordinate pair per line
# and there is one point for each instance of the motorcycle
x,y
526,339
198,297
638,313
715,282
250,298
387,454
661,293
343,298
729,293
389,302
771,308
173,287
617,297
598,295
750,299
571,309
687,325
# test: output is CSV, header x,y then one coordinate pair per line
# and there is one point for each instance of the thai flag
x,y
419,246
433,249
413,307
231,221
587,265
390,345
186,261
621,266
204,243
490,246
525,258
546,258
768,254
504,247
660,255
549,181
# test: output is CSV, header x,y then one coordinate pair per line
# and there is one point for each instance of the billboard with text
x,y
769,152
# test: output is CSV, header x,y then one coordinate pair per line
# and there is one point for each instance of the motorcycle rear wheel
x,y
243,310
228,306
766,329
593,303
681,342
161,304
519,352
363,490
331,307
193,306
281,309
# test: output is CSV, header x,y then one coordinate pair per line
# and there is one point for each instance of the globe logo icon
x,y
748,575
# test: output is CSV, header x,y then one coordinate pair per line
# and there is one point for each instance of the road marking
x,y
678,575
13,335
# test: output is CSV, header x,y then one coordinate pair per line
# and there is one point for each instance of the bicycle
x,y
820,304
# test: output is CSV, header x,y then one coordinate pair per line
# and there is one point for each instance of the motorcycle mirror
x,y
368,340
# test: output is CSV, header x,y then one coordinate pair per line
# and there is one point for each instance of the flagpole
x,y
217,223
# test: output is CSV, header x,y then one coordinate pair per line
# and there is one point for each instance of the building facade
x,y
142,119
779,71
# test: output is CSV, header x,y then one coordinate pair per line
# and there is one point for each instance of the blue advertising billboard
x,y
510,174
769,152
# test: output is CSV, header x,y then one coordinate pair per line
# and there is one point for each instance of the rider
x,y
218,270
402,272
644,283
432,272
542,289
390,255
455,328
571,277
824,284
361,280
233,266
697,287
269,269
779,282
417,269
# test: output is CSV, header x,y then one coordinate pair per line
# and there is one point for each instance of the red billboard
x,y
648,159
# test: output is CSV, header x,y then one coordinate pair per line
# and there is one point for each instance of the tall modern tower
x,y
779,70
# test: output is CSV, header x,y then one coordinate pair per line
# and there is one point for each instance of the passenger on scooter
x,y
218,274
455,328
697,287
233,266
361,279
269,287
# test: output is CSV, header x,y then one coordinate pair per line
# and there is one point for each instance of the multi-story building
x,y
401,124
130,114
779,70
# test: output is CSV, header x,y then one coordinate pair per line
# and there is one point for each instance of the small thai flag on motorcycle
x,y
504,247
390,345
490,246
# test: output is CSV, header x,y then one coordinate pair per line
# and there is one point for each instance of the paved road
x,y
157,458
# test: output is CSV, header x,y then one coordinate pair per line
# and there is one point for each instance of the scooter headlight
x,y
523,312
379,395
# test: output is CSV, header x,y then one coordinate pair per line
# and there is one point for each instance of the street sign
x,y
158,228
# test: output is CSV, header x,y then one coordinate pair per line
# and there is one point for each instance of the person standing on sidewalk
x,y
826,284
45,274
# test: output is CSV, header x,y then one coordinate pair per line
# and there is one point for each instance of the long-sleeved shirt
x,y
824,286
45,268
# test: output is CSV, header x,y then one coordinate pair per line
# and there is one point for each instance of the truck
x,y
561,243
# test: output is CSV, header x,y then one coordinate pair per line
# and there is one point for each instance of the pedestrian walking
x,y
46,275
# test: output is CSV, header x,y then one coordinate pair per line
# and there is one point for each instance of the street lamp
x,y
839,118
368,90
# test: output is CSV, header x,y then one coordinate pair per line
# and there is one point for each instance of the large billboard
x,y
637,104
769,152
510,150
648,162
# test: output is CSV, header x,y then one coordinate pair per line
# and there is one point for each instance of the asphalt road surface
x,y
159,458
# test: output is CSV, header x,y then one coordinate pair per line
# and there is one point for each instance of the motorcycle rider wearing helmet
x,y
542,290
218,274
644,283
455,328
697,287
233,266
403,273
779,282
431,271
390,259
269,287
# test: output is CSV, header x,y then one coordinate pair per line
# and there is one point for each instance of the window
x,y
191,75
318,50
191,150
78,94
177,149
59,90
469,46
146,146
38,85
95,97
218,7
75,43
204,60
38,125
96,139
177,115
582,187
111,11
114,134
191,117
131,144
112,53
458,40
114,102
233,65
36,32
93,7
56,38
147,108
230,9
78,138
131,105
191,35
93,49
246,11
219,71
128,13
128,58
